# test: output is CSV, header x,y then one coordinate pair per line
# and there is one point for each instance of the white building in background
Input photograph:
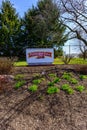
x,y
71,48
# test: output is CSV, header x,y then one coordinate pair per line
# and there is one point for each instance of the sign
x,y
37,56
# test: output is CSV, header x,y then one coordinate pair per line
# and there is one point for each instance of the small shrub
x,y
52,90
3,80
67,58
33,88
6,65
36,81
19,84
80,88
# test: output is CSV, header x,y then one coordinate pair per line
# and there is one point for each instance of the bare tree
x,y
67,58
83,49
74,15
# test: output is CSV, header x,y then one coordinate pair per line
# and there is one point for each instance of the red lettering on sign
x,y
40,54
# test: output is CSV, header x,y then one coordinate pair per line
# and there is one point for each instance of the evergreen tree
x,y
43,27
9,28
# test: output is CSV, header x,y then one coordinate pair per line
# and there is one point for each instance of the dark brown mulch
x,y
23,110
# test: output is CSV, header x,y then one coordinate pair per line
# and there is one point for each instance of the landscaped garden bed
x,y
44,98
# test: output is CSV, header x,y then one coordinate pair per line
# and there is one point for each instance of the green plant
x,y
43,79
51,84
56,80
67,88
67,76
80,88
19,77
52,90
36,81
19,84
73,81
33,88
82,77
36,75
52,75
70,91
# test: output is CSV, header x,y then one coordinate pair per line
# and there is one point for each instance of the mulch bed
x,y
23,110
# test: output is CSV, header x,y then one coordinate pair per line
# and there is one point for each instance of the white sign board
x,y
36,56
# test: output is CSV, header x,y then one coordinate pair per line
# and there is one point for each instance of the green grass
x,y
56,61
20,63
78,61
73,61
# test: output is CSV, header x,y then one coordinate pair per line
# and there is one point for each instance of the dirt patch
x,y
23,110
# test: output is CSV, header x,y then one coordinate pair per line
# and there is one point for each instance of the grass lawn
x,y
56,61
78,61
20,63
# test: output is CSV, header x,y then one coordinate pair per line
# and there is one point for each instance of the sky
x,y
22,5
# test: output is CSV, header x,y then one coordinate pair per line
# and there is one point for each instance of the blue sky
x,y
22,5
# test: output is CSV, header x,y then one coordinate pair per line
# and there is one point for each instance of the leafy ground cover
x,y
46,100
